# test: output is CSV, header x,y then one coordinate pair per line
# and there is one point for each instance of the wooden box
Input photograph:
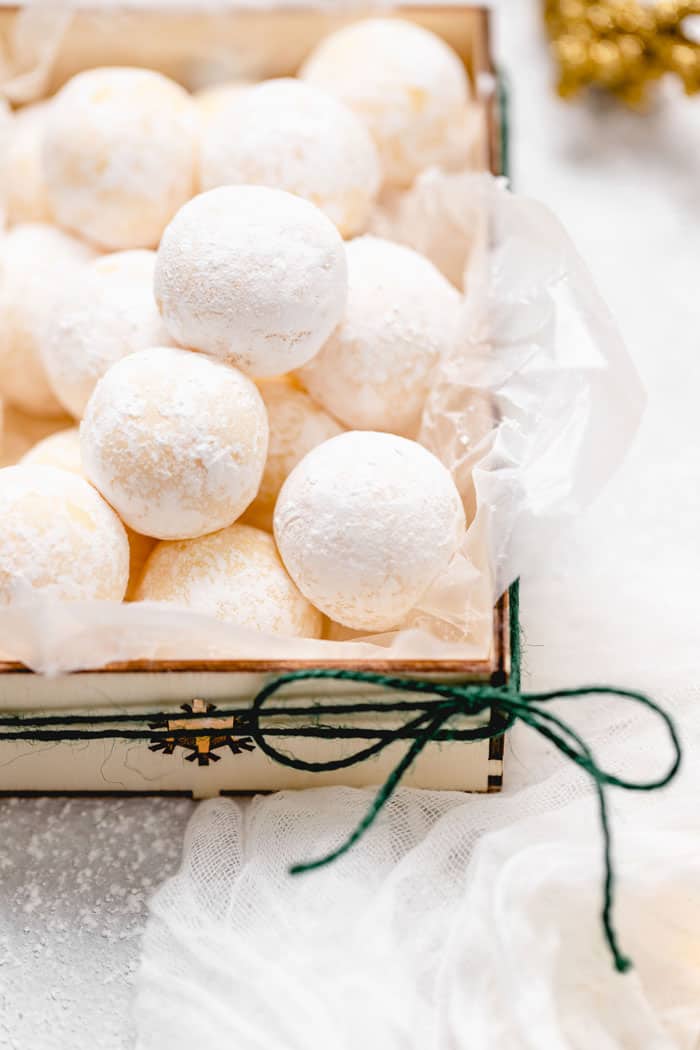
x,y
196,48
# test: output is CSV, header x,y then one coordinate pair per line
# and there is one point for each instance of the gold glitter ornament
x,y
622,45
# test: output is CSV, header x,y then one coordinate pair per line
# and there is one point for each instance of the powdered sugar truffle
x,y
6,128
235,575
365,523
37,264
140,548
120,155
106,314
60,449
211,100
175,441
27,200
374,371
254,276
297,424
409,88
21,432
58,537
290,135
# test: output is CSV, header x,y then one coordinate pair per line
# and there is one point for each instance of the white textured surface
x,y
365,523
59,537
617,602
252,275
175,441
405,83
119,155
374,372
236,575
294,137
76,875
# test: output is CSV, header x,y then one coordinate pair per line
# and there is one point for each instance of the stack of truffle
x,y
190,278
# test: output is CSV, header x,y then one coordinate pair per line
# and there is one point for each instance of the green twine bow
x,y
432,722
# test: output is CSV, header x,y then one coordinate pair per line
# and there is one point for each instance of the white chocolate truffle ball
x,y
140,548
374,372
120,155
108,313
60,449
27,200
404,82
211,100
292,136
37,264
21,432
297,424
235,575
6,129
59,537
175,441
254,276
364,525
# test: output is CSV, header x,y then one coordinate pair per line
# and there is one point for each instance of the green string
x,y
514,635
504,116
473,699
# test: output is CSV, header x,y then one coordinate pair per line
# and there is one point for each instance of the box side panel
x,y
103,767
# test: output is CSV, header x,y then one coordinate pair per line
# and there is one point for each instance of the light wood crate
x,y
196,48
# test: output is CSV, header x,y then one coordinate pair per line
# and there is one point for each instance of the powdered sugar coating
x,y
108,313
254,276
211,100
6,129
364,525
58,537
293,136
27,200
408,87
120,155
60,449
374,371
297,424
235,575
175,441
37,264
140,548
